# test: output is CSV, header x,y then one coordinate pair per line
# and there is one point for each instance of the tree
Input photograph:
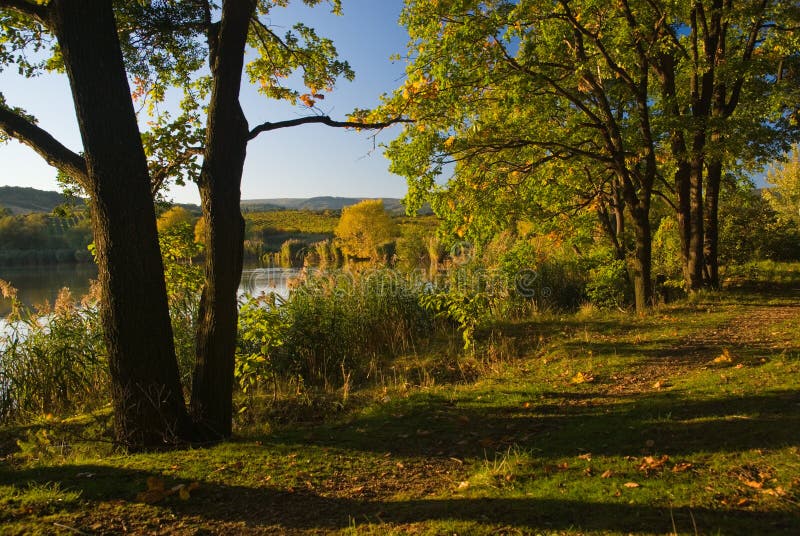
x,y
364,228
725,74
167,44
174,217
514,93
784,193
227,133
148,400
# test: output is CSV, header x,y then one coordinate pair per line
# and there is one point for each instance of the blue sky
x,y
303,161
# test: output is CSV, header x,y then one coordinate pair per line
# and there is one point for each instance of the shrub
x,y
184,279
608,286
262,332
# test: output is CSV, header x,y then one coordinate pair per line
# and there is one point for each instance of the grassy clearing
x,y
686,421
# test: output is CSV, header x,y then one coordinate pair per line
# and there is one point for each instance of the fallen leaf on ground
x,y
651,463
725,357
608,473
631,485
681,467
582,378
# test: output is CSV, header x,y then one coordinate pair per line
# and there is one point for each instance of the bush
x,y
184,280
541,274
262,333
608,286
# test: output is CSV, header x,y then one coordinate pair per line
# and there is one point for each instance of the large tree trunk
x,y
149,408
642,261
711,243
219,183
683,212
686,182
696,232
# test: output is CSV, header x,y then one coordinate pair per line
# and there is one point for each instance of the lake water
x,y
37,284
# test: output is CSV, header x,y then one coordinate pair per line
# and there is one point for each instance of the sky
x,y
305,161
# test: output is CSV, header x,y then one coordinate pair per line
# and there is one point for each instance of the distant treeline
x,y
64,236
298,237
268,233
31,239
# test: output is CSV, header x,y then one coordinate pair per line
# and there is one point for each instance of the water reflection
x,y
38,284
257,281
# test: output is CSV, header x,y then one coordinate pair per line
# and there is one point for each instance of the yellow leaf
x,y
631,485
725,357
681,467
582,378
608,473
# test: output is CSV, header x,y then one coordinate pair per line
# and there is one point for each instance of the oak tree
x,y
149,408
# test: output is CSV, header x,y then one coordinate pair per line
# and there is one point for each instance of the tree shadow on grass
x,y
219,507
554,426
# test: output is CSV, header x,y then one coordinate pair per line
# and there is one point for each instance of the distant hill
x,y
392,205
25,200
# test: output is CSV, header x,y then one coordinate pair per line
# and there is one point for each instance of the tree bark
x,y
219,183
149,408
642,261
694,267
711,243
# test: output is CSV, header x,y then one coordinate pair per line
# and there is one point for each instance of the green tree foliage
x,y
174,217
528,110
202,50
363,229
727,86
751,229
538,108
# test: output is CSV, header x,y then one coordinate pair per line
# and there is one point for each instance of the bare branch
x,y
54,153
324,120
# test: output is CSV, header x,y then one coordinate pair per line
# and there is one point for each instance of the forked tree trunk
x,y
220,179
149,409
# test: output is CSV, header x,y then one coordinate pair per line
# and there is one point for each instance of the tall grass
x,y
341,324
344,322
52,359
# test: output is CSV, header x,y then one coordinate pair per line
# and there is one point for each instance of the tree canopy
x,y
533,108
364,228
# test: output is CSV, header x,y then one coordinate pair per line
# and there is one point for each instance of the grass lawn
x,y
685,421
